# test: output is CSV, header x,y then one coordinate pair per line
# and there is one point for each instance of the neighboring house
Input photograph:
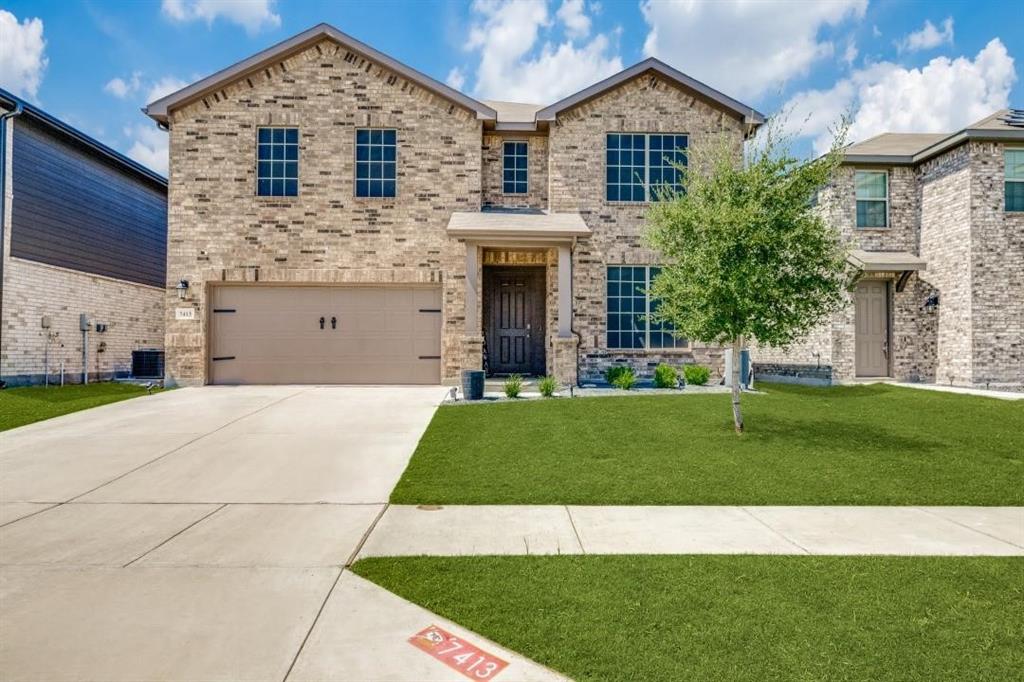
x,y
84,233
937,226
336,216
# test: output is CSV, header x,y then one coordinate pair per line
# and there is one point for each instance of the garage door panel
x,y
274,336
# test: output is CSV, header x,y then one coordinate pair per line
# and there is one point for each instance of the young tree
x,y
745,254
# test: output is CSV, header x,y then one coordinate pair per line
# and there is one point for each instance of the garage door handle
x,y
321,323
334,322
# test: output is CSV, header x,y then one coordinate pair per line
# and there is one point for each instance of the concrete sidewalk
x,y
467,530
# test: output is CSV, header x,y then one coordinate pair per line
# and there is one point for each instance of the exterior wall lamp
x,y
182,288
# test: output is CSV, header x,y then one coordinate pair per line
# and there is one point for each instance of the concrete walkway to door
x,y
201,534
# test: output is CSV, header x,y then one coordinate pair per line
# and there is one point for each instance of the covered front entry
x,y
262,334
872,330
514,324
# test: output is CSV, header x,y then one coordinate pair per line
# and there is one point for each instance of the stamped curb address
x,y
459,655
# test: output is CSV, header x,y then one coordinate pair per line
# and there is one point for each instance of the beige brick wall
x,y
537,172
997,274
220,231
946,246
132,312
577,183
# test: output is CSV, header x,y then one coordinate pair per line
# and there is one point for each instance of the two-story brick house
x,y
936,224
336,216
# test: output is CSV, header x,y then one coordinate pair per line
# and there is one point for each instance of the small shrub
x,y
547,386
513,386
625,380
665,376
614,372
697,375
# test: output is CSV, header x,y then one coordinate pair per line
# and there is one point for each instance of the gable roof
x,y
747,114
909,149
9,101
161,108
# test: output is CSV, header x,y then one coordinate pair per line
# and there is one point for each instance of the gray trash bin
x,y
472,384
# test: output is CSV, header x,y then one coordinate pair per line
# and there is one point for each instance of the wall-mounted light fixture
x,y
931,303
182,288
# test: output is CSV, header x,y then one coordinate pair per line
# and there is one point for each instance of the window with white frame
x,y
1014,186
630,307
872,198
277,162
515,165
643,166
376,161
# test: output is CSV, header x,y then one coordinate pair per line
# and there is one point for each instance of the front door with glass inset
x,y
514,325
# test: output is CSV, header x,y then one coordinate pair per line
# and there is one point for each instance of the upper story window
x,y
640,166
630,308
1014,159
872,198
277,162
514,168
376,153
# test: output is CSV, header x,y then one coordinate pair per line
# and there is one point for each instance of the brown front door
x,y
872,329
514,319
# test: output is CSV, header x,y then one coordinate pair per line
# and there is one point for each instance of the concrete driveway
x,y
199,534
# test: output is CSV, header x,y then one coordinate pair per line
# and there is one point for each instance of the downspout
x,y
18,109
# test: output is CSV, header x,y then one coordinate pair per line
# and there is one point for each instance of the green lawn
x,y
861,445
20,406
733,617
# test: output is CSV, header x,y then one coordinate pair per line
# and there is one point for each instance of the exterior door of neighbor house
x,y
265,334
514,325
872,328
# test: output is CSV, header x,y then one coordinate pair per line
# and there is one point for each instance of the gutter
x,y
16,111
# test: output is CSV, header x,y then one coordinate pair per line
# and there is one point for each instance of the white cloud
x,y
22,54
573,15
942,96
121,88
164,86
850,53
740,47
456,78
149,147
253,15
512,67
928,37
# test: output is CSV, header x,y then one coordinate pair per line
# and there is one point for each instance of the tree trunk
x,y
737,415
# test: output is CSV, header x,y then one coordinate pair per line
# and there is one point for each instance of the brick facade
x,y
219,231
948,210
132,313
537,172
577,177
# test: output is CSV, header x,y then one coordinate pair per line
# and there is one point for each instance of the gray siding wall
x,y
75,210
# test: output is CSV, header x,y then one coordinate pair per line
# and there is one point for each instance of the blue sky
x,y
905,66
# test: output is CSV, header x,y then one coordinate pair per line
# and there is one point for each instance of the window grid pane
x,y
376,162
666,152
628,317
277,162
515,166
1014,159
1015,195
626,167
